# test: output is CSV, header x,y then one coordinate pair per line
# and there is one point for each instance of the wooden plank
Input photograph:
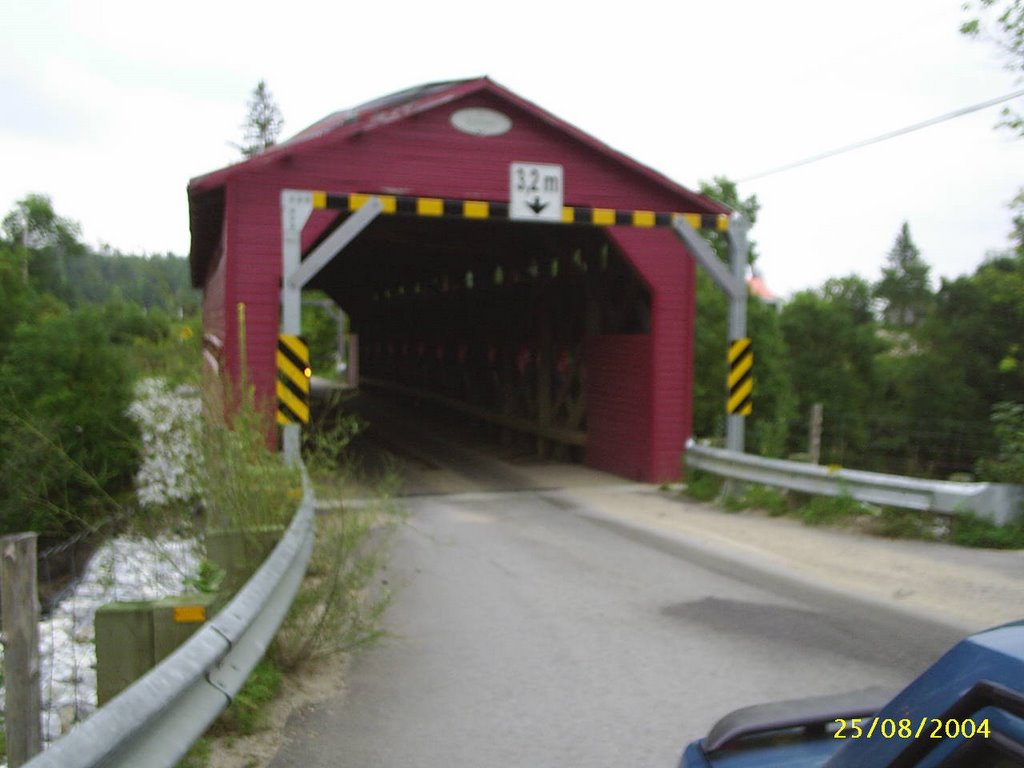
x,y
20,616
543,379
567,436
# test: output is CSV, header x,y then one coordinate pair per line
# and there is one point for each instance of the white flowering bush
x,y
168,421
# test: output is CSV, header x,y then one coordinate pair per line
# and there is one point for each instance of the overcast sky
x,y
110,107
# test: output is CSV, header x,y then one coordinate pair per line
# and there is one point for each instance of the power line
x,y
886,136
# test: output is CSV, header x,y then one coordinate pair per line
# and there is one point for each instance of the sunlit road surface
x,y
529,630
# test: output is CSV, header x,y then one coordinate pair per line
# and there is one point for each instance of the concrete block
x,y
175,619
124,646
240,552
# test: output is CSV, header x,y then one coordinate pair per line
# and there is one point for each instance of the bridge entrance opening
x,y
493,320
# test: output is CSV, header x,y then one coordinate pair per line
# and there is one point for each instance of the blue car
x,y
965,711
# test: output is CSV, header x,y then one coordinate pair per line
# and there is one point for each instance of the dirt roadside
x,y
969,588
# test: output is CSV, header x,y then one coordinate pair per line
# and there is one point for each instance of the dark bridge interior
x,y
490,318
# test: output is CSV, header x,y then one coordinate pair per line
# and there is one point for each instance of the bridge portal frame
x,y
298,205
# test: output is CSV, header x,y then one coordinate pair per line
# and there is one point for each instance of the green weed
x,y
209,578
894,523
702,486
969,530
830,510
245,713
735,502
771,500
198,755
339,606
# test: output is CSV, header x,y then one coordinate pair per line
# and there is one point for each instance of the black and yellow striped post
x,y
293,374
740,380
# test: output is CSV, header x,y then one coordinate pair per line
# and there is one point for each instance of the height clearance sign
x,y
535,192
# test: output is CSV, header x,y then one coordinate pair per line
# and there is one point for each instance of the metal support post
x,y
737,238
296,207
705,255
732,281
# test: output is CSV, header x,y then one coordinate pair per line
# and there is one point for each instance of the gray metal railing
x,y
153,723
998,502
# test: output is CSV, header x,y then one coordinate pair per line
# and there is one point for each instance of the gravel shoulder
x,y
966,588
313,683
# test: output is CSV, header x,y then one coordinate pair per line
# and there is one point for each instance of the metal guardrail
x,y
998,502
153,723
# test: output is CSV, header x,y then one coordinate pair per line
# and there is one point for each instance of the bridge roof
x,y
206,192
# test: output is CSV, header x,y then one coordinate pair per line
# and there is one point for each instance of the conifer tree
x,y
904,287
263,122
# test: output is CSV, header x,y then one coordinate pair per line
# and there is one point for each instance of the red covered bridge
x,y
576,334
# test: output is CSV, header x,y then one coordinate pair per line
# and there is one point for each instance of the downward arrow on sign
x,y
536,205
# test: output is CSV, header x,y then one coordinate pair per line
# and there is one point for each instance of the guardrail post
x,y
20,614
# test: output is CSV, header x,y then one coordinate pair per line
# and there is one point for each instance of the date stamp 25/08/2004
x,y
926,727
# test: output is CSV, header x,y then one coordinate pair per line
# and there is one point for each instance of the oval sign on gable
x,y
481,121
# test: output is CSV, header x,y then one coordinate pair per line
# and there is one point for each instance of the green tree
x,y
66,442
709,358
1002,22
904,289
67,446
832,341
263,122
16,296
965,359
774,402
724,190
320,328
33,223
46,243
1008,464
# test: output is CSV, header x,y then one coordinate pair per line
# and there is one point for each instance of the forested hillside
x,y
914,378
78,329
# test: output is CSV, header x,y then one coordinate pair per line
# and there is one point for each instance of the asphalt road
x,y
528,631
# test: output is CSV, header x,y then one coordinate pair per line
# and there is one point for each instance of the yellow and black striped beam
x,y
481,209
741,378
293,374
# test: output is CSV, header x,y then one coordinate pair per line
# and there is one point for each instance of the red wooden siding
x,y
618,401
669,272
424,155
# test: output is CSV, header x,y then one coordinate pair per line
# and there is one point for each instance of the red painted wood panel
x,y
425,155
668,270
618,404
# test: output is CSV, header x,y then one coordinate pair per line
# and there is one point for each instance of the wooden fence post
x,y
20,615
815,434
